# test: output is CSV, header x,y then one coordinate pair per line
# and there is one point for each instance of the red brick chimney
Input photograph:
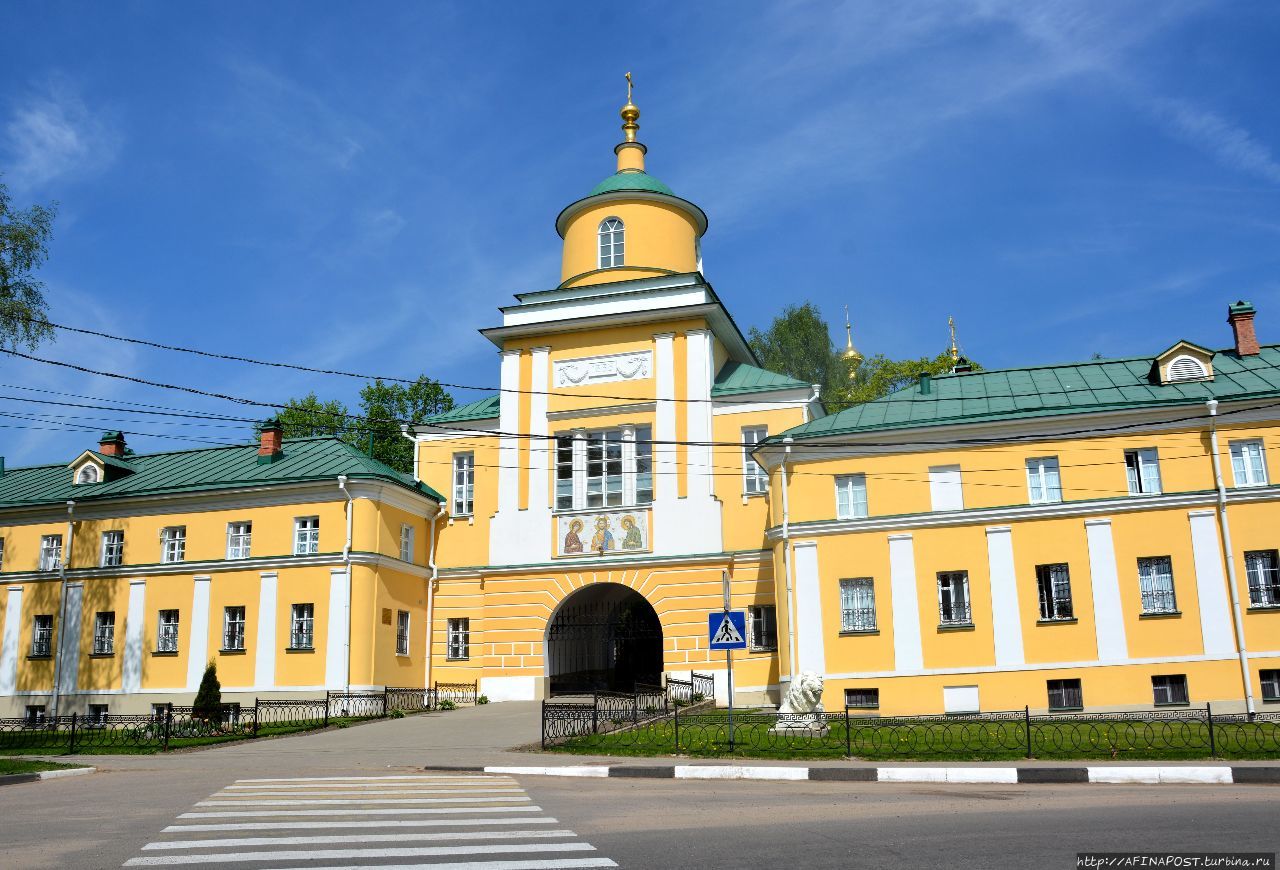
x,y
272,443
111,444
1240,316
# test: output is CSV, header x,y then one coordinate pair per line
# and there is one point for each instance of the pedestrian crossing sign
x,y
727,629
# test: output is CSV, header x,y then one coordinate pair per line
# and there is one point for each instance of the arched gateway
x,y
604,636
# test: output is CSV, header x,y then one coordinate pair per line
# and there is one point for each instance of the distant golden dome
x,y
850,354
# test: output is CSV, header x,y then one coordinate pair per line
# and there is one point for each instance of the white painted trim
x,y
338,631
810,654
479,428
603,411
578,566
568,770
264,655
9,644
969,775
135,632
198,635
1006,616
908,651
664,430
69,639
738,771
1216,626
701,482
946,488
1108,611
1153,775
743,403
540,451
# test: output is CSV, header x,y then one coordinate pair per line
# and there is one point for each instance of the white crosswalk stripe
x,y
441,822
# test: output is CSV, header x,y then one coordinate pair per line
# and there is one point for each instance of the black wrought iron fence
x,y
697,688
606,712
1185,733
458,693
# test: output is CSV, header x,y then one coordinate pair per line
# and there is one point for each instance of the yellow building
x,y
296,566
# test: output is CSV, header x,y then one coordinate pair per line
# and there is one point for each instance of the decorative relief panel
x,y
599,534
604,369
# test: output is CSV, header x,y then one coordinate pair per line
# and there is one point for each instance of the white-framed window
x,y
858,604
406,542
953,598
34,715
173,544
239,540
1270,679
1155,583
1248,463
104,633
88,474
50,552
1262,567
233,628
42,635
306,535
754,479
604,468
1142,467
302,627
1065,694
464,484
762,627
611,242
1044,483
851,496
946,491
167,635
862,698
112,548
402,632
458,639
97,717
1053,583
1169,689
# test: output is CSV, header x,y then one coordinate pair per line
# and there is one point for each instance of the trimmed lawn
x,y
23,765
119,742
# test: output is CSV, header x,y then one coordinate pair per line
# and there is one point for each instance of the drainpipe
x,y
786,562
346,561
404,430
1224,527
431,586
62,606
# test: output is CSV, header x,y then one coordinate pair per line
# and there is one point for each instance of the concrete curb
x,y
1153,775
15,778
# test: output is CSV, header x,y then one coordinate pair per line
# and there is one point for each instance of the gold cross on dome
x,y
628,87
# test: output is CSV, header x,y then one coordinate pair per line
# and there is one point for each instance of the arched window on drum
x,y
611,231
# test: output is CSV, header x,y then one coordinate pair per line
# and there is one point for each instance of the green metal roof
x,y
736,377
631,180
208,469
1043,391
481,409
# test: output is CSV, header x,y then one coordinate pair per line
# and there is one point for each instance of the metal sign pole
x,y
728,654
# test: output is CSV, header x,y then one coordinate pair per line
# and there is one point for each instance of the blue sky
x,y
360,186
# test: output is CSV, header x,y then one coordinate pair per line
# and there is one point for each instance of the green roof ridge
x,y
738,377
633,179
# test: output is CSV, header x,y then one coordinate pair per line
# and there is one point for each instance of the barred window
x,y
104,633
1169,689
97,715
762,627
953,598
239,540
167,638
868,699
1155,582
42,636
1270,684
858,604
458,639
233,628
402,632
112,549
1263,570
302,627
173,544
1065,694
1054,585
306,535
851,496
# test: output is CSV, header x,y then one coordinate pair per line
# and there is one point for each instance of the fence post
x,y
1208,711
848,737
595,713
544,724
71,746
326,708
168,725
635,709
1026,713
255,717
676,707
385,696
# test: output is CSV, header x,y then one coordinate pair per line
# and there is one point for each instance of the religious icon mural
x,y
602,533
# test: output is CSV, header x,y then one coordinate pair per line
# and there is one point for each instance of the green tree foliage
x,y
24,239
208,702
798,344
376,428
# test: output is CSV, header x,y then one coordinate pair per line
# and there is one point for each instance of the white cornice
x,y
473,429
985,516
603,410
204,568
576,565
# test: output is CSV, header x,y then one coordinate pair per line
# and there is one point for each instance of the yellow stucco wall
x,y
658,238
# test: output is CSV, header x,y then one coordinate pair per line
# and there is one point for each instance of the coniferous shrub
x,y
208,702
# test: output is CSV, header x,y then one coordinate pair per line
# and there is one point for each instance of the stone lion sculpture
x,y
804,695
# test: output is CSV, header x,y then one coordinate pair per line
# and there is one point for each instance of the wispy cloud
x,y
51,133
1229,144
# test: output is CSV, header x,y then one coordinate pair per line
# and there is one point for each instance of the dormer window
x,y
1186,368
88,473
611,231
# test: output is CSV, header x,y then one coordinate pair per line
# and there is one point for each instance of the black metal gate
x,y
610,643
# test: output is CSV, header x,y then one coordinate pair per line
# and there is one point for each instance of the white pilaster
x,y
134,632
908,654
509,443
198,655
579,469
1211,585
264,654
628,463
339,629
69,640
9,644
1108,616
1006,618
664,430
698,425
541,448
810,644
